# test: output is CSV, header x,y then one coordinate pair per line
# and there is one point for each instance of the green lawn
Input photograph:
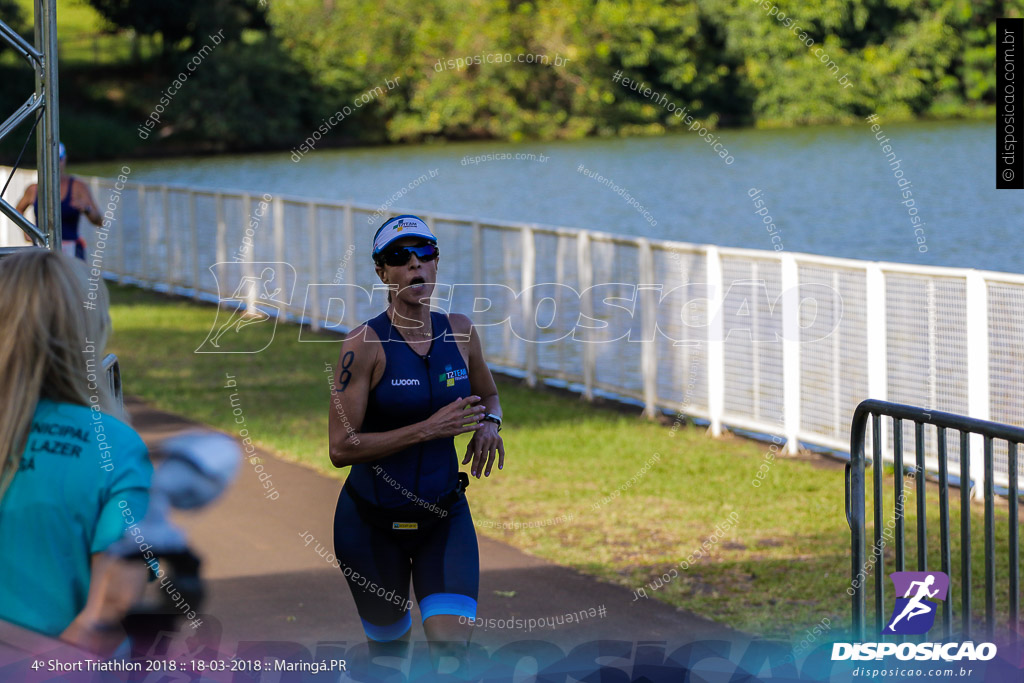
x,y
780,569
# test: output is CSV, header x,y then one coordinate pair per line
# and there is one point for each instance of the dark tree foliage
x,y
244,96
11,14
172,20
176,20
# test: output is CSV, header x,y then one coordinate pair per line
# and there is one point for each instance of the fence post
x,y
790,281
278,229
877,351
8,236
122,247
278,239
194,242
143,233
715,339
222,249
314,265
350,313
250,296
478,262
933,346
478,273
648,316
94,189
429,220
170,262
838,415
528,272
585,271
755,349
977,370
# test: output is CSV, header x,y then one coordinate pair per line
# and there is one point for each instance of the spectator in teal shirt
x,y
73,475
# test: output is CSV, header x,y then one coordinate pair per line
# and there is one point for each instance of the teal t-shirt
x,y
83,480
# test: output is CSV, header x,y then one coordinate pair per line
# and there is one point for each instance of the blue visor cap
x,y
398,227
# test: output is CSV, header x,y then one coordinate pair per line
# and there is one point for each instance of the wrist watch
x,y
493,418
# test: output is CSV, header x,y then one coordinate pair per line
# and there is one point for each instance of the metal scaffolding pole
x,y
48,217
42,57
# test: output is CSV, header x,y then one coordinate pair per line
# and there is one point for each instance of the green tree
x,y
176,20
244,96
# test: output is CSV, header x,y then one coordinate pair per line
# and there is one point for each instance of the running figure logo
x,y
262,292
914,613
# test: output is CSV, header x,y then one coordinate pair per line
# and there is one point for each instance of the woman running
x,y
75,201
71,473
409,380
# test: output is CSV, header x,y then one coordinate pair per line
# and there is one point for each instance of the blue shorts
x,y
441,556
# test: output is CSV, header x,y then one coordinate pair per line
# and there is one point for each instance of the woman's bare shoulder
x,y
362,333
461,324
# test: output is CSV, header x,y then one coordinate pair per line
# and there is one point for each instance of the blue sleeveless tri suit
x,y
69,216
405,515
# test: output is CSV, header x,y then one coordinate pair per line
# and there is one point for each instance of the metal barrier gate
x,y
855,507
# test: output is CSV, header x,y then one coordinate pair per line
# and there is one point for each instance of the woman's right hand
x,y
458,417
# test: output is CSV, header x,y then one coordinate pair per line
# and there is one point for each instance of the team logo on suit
x,y
449,376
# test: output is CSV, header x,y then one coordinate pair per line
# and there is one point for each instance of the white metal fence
x,y
732,350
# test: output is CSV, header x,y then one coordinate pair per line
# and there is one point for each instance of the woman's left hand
x,y
482,448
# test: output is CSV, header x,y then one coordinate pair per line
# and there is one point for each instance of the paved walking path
x,y
266,583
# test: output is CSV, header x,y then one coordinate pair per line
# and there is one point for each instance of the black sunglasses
x,y
399,256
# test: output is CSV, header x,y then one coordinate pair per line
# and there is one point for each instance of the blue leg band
x,y
384,634
448,603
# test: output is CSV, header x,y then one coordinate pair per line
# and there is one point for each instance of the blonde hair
x,y
54,324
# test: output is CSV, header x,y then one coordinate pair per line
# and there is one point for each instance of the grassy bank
x,y
643,497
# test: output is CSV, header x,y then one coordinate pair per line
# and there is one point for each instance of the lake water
x,y
829,190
